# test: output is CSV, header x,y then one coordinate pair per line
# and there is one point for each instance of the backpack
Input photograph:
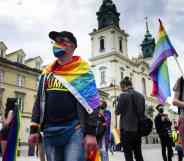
x,y
145,124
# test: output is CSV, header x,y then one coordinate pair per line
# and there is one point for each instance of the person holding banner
x,y
10,132
8,117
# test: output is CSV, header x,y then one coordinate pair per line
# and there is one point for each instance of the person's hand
x,y
90,143
34,138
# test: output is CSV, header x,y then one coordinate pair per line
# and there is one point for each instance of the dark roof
x,y
4,60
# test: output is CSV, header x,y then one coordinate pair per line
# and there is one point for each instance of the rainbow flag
x,y
11,150
159,68
77,77
94,155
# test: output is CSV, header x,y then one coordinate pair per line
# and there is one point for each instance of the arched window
x,y
102,44
120,45
102,75
122,73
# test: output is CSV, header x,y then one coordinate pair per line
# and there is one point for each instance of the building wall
x,y
10,89
111,41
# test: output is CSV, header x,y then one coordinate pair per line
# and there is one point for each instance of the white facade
x,y
110,65
112,37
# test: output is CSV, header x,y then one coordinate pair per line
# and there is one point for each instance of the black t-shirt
x,y
60,103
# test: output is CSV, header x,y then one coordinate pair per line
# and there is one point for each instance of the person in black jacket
x,y
66,105
163,128
130,138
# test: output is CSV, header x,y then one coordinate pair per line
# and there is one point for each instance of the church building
x,y
110,60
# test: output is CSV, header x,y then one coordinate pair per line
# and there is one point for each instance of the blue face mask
x,y
58,52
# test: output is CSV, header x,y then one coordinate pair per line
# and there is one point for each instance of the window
x,y
37,82
144,86
20,101
37,65
1,76
122,75
20,81
120,45
1,53
102,74
102,44
20,59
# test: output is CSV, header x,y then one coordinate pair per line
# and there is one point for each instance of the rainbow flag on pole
x,y
11,150
159,68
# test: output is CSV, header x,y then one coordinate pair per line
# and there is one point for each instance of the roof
x,y
4,60
31,59
1,42
17,51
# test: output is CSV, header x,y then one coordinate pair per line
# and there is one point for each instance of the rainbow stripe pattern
x,y
57,48
94,155
77,77
12,144
159,68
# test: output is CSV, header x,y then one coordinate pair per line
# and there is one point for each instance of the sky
x,y
26,23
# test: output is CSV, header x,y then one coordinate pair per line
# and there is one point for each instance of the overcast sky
x,y
25,23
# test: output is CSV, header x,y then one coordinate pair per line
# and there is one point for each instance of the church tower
x,y
148,45
108,38
109,47
109,56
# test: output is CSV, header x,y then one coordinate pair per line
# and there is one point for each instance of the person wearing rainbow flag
x,y
67,102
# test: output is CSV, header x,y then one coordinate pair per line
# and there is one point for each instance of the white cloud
x,y
26,23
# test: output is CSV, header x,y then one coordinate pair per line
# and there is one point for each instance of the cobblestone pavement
x,y
150,153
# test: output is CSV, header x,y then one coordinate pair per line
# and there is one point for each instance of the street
x,y
150,153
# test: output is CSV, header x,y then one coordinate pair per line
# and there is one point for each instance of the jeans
x,y
131,142
72,151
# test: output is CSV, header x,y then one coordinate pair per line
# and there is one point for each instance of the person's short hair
x,y
126,81
54,35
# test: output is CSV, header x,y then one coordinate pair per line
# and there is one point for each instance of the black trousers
x,y
180,155
166,144
131,143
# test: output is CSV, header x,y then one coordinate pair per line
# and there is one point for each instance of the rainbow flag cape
x,y
94,155
11,150
77,77
159,68
116,135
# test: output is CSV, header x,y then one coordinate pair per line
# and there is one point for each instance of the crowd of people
x,y
70,122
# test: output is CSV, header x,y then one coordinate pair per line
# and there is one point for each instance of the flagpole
x,y
179,66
